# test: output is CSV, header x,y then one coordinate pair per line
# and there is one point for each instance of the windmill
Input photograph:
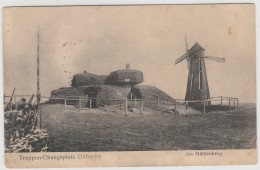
x,y
197,85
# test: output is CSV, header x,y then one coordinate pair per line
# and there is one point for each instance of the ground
x,y
107,129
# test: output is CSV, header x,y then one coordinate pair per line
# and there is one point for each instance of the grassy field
x,y
109,130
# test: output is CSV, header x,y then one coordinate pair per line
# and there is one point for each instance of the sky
x,y
102,39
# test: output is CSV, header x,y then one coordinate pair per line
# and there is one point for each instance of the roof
x,y
195,47
125,70
125,77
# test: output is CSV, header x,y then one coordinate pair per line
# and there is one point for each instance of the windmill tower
x,y
197,85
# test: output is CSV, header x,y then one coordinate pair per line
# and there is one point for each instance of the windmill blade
x,y
180,59
217,59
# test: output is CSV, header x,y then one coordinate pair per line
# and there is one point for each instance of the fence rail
x,y
176,102
204,102
232,102
79,100
221,99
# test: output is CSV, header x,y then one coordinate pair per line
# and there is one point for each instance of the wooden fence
x,y
231,102
78,99
63,100
204,102
134,101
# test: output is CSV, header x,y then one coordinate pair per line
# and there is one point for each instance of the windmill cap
x,y
196,47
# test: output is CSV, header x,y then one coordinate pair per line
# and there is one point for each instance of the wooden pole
x,y
40,118
234,101
204,109
186,109
237,104
38,66
65,102
126,106
79,102
175,106
229,104
90,103
15,102
142,107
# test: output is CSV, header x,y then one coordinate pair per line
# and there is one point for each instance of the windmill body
x,y
197,84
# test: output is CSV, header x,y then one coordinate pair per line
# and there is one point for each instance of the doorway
x,y
92,93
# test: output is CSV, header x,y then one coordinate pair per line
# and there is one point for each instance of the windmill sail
x,y
180,59
184,56
217,59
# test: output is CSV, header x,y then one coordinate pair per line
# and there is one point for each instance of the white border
x,y
4,3
112,2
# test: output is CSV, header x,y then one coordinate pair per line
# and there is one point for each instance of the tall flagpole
x,y
38,68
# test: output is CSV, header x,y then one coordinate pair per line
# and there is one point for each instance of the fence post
x,y
204,109
229,104
142,107
15,102
221,100
65,102
79,102
40,118
234,103
158,102
126,106
186,109
90,103
237,104
175,107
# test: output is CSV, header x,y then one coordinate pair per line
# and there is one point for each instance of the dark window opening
x,y
200,80
200,74
192,80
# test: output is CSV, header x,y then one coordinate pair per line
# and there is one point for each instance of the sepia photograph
x,y
129,79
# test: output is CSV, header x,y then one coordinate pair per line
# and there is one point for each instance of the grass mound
x,y
101,94
88,79
125,77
